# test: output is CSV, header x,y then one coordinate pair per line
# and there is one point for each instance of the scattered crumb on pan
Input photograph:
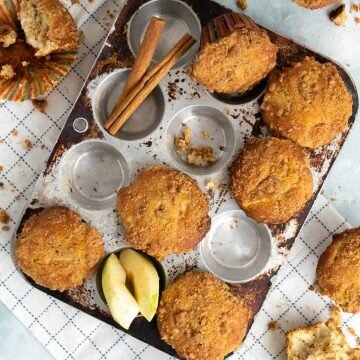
x,y
205,134
199,156
212,185
339,16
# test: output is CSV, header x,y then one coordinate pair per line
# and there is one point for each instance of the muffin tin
x,y
87,158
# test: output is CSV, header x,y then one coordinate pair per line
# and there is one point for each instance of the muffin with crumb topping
x,y
338,270
235,55
307,103
201,318
271,180
163,211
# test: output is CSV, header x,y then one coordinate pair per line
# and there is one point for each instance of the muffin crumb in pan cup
x,y
218,28
34,76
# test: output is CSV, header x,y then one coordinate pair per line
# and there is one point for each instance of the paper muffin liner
x,y
223,25
34,76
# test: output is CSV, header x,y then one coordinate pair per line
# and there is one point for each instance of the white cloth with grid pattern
x,y
70,334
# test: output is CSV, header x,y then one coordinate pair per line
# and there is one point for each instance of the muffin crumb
x,y
4,217
242,4
273,325
41,105
7,72
27,144
354,8
338,16
199,156
7,35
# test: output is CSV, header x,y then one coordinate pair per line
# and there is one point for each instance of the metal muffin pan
x,y
220,136
180,19
145,119
92,172
236,249
181,98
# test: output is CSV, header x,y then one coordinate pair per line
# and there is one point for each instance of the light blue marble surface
x,y
16,342
342,186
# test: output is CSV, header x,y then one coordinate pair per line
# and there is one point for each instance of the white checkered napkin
x,y
290,303
70,334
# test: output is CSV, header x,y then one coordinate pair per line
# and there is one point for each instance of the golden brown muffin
x,y
307,103
320,341
57,249
271,180
315,4
163,212
338,270
200,317
237,62
48,26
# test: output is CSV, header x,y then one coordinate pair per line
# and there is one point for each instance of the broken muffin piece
x,y
48,26
323,340
7,35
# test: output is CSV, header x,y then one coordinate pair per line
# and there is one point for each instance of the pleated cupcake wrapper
x,y
37,79
223,25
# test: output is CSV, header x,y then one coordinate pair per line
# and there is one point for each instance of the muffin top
x,y
307,103
236,62
64,249
200,317
338,270
315,4
271,180
48,26
163,212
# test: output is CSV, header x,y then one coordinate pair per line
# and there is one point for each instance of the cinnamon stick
x,y
120,107
146,53
150,81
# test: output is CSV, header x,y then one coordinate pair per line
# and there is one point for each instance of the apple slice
x,y
143,279
123,306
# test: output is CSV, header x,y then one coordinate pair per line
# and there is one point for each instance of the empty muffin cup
x,y
157,264
200,140
144,120
92,172
236,249
180,19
